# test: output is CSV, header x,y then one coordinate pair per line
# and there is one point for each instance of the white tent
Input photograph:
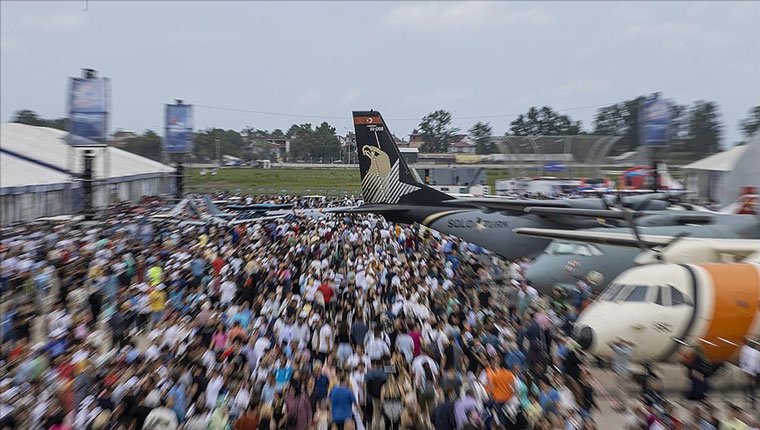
x,y
39,174
706,175
746,173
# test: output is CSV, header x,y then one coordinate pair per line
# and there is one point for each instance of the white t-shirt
x,y
354,361
161,419
419,370
405,345
227,291
326,338
212,391
376,347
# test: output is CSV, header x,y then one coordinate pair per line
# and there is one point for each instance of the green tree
x,y
147,144
30,117
751,123
436,131
679,122
620,119
230,143
705,128
481,133
311,144
544,122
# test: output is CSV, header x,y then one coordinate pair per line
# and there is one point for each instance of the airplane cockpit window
x,y
637,294
611,291
594,250
678,298
563,248
659,299
569,248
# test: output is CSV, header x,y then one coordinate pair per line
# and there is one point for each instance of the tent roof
x,y
17,172
720,162
46,148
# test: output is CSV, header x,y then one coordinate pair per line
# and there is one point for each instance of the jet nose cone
x,y
585,337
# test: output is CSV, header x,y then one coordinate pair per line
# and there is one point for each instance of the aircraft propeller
x,y
628,214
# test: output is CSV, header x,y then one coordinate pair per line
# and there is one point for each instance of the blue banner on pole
x,y
88,111
656,121
179,129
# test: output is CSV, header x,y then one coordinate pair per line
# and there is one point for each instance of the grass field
x,y
269,181
332,182
294,181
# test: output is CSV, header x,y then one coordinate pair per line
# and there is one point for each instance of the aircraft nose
x,y
585,337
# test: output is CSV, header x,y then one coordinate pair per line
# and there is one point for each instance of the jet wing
x,y
258,219
371,209
591,213
191,222
513,205
666,217
260,206
600,237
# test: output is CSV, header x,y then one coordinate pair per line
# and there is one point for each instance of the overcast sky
x,y
475,59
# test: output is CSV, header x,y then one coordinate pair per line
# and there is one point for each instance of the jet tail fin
x,y
211,208
745,204
385,176
179,208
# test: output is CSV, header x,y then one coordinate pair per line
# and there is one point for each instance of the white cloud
x,y
350,97
10,44
17,33
467,15
674,35
562,96
437,98
55,22
308,98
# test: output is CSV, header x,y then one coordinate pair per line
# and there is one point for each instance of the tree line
x,y
695,128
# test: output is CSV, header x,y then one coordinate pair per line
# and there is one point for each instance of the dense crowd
x,y
346,322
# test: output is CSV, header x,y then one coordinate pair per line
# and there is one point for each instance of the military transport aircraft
x,y
690,296
391,188
572,256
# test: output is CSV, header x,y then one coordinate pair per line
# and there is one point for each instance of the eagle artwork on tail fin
x,y
381,184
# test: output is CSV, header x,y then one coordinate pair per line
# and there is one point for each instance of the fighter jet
x,y
177,214
391,188
592,255
185,212
254,213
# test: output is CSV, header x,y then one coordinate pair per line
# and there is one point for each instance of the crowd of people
x,y
330,322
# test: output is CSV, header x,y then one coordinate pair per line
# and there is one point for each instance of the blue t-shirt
x,y
197,267
549,400
282,375
321,385
57,347
243,317
514,358
342,399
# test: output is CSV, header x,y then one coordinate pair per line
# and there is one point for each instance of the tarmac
x,y
725,390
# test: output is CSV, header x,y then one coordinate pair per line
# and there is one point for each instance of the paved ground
x,y
725,389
